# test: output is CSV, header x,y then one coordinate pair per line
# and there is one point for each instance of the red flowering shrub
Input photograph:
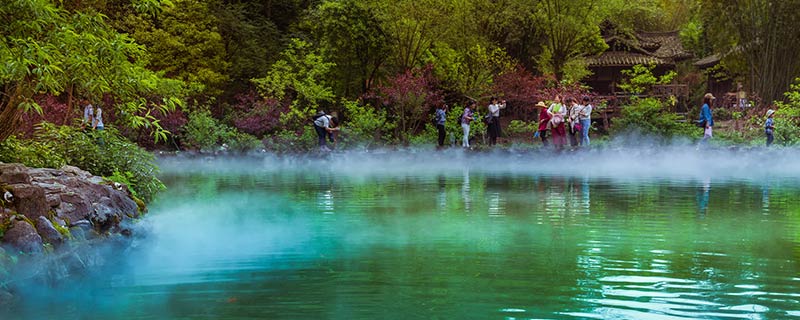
x,y
256,115
411,97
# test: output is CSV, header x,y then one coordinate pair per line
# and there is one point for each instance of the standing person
x,y
88,114
97,123
573,122
558,111
585,117
741,96
325,125
769,127
706,120
493,120
465,120
441,117
544,121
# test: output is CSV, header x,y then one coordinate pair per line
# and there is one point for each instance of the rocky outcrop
x,y
40,206
22,236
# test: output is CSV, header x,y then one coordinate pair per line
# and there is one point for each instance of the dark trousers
x,y
493,130
321,133
543,136
440,128
573,136
770,138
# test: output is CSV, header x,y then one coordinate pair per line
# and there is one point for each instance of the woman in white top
x,y
574,123
493,120
585,117
97,124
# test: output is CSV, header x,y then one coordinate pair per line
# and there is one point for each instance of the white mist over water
x,y
672,162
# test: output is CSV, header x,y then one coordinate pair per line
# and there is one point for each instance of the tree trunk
x,y
10,113
10,116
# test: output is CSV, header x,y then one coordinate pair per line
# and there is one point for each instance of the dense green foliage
x,y
103,153
47,49
243,72
650,117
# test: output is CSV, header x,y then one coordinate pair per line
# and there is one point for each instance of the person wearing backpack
x,y
441,116
465,120
325,125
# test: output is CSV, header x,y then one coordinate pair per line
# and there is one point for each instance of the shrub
x,y
521,127
648,116
287,141
202,131
365,125
103,153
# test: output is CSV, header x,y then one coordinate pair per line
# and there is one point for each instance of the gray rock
x,y
74,207
48,232
13,173
105,216
22,236
29,200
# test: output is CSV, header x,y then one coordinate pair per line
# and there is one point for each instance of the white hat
x,y
770,112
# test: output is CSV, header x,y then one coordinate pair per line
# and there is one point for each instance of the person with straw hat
x,y
769,127
544,120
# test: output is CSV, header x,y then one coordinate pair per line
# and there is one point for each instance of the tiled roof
x,y
624,59
660,48
708,61
668,45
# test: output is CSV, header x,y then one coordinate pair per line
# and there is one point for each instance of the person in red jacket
x,y
544,120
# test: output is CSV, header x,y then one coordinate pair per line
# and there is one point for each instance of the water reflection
x,y
401,246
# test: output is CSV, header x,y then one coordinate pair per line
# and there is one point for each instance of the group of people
x,y
571,119
706,122
568,120
92,117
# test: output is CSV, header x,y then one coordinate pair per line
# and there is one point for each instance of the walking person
x,y
558,112
585,117
465,120
493,120
441,117
544,122
769,127
706,120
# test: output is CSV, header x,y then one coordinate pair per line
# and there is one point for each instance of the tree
x,y
46,49
761,40
571,31
299,77
469,72
184,42
353,37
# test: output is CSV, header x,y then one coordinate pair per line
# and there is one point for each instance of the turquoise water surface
x,y
454,236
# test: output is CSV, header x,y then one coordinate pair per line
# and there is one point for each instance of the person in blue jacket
x,y
706,120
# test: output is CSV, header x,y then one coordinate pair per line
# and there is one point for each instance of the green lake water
x,y
429,237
